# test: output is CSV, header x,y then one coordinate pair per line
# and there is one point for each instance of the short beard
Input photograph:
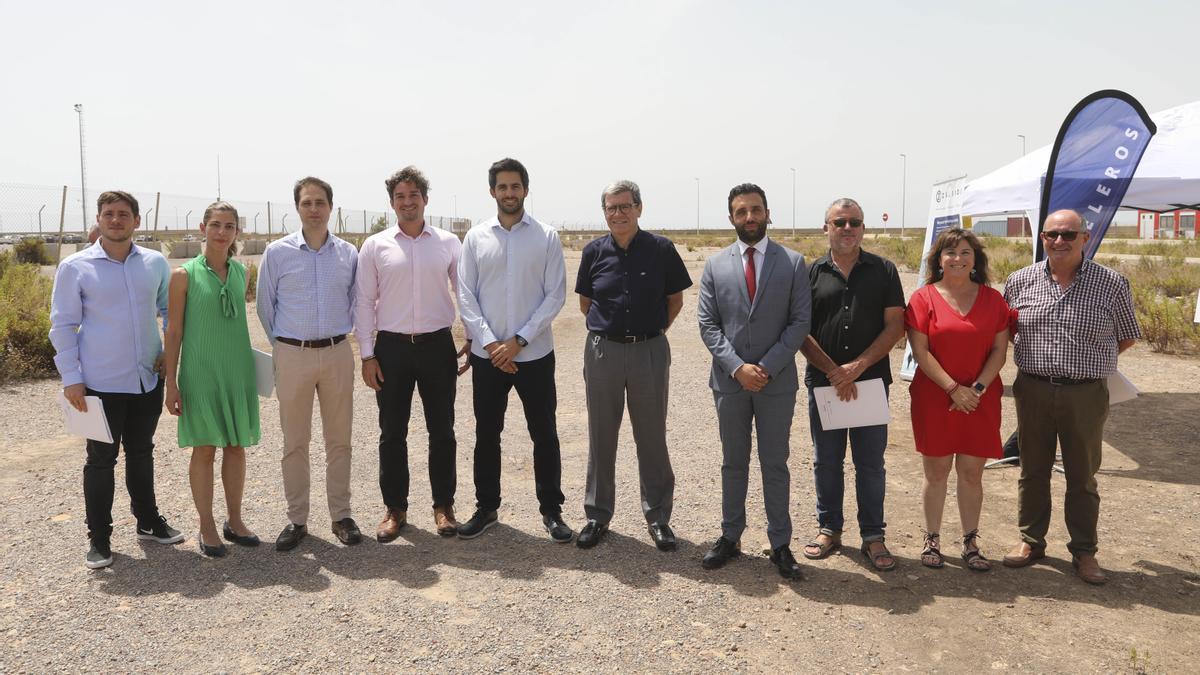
x,y
513,210
745,238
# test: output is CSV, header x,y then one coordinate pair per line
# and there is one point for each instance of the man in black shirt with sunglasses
x,y
857,317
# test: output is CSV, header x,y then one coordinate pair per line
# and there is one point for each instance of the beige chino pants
x,y
329,373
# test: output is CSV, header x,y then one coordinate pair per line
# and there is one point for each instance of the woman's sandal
x,y
874,557
932,555
822,550
971,555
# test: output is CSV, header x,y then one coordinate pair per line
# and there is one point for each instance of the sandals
x,y
932,555
971,556
822,550
874,558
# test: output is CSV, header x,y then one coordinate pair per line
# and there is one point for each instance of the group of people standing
x,y
759,304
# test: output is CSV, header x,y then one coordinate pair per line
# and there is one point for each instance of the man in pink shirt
x,y
402,319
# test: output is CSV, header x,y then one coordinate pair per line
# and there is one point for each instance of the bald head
x,y
1064,219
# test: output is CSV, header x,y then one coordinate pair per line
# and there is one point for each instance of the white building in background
x,y
1180,224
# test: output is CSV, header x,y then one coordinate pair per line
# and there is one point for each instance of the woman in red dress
x,y
958,330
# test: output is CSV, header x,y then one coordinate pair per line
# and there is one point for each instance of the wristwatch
x,y
522,341
979,388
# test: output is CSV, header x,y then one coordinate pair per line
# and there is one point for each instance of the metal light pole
x,y
186,216
793,203
697,206
218,177
903,192
1022,137
455,198
40,220
256,223
147,216
82,166
283,223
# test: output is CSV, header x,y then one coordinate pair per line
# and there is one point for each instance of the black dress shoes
x,y
230,535
347,532
558,530
722,552
663,537
290,537
591,534
785,562
479,523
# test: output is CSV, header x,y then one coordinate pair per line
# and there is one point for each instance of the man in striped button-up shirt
x,y
1073,317
305,303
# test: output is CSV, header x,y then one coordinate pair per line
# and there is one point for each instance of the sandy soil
x,y
514,601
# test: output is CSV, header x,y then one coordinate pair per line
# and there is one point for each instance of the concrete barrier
x,y
184,249
252,247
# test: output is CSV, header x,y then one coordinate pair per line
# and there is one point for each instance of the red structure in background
x,y
1179,224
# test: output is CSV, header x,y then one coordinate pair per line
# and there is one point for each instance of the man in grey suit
x,y
754,312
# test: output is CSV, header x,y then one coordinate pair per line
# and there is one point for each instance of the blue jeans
x,y
867,445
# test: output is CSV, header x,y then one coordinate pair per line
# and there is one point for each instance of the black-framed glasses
x,y
614,209
1066,235
843,222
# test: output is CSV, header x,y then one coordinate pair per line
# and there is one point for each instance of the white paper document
x,y
1197,317
869,409
91,424
264,373
1120,389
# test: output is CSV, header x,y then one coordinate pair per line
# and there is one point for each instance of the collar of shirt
x,y
297,239
97,251
760,246
611,242
525,220
1080,274
864,258
397,233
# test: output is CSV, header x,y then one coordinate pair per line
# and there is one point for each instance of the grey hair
x,y
620,186
842,202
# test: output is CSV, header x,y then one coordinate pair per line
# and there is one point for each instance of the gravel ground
x,y
514,601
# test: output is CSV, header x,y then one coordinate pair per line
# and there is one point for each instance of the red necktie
x,y
750,280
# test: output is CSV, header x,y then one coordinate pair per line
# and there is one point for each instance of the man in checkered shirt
x,y
1073,317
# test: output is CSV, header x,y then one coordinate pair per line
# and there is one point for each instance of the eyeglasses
x,y
614,209
1066,235
843,222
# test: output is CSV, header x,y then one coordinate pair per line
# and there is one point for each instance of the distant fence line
x,y
45,209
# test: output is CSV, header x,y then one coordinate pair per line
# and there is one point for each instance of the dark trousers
x,y
534,381
132,419
1070,417
431,367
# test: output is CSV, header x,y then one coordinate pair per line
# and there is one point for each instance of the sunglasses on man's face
x,y
843,222
1066,235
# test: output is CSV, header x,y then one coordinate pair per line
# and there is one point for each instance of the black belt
x,y
1063,381
415,339
312,344
629,339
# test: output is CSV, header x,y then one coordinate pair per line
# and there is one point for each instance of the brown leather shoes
x,y
1088,569
1024,554
389,528
443,519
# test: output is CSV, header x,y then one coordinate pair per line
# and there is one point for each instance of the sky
x,y
659,92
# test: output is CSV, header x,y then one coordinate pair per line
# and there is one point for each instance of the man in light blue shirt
x,y
511,284
306,302
104,327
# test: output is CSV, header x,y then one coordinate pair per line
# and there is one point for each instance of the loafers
x,y
443,520
1024,554
479,523
722,552
347,532
662,535
557,529
785,563
1088,569
218,551
591,534
230,535
389,527
290,537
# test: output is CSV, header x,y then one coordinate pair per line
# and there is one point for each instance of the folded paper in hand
x,y
264,373
91,424
869,409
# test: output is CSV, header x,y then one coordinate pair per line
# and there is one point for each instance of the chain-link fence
x,y
51,212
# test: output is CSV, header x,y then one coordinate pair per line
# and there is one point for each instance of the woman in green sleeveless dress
x,y
210,379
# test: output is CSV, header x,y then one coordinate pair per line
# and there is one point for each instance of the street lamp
x,y
793,203
697,206
455,198
82,166
1022,137
903,191
283,223
40,220
186,216
255,230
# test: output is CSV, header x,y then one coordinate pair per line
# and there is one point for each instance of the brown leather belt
x,y
415,339
312,344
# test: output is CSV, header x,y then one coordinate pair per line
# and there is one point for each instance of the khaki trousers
x,y
1049,415
329,373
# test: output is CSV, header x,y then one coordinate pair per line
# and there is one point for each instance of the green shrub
x,y
32,250
25,349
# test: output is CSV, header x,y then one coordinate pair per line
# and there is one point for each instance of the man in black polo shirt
x,y
857,317
630,288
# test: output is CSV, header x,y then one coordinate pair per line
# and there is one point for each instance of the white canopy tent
x,y
1167,179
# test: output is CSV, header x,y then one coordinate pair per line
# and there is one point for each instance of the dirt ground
x,y
514,601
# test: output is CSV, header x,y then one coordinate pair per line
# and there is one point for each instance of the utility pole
x,y
903,192
218,177
793,203
82,167
697,206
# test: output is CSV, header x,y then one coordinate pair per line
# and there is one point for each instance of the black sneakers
x,y
478,524
559,531
161,532
99,555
